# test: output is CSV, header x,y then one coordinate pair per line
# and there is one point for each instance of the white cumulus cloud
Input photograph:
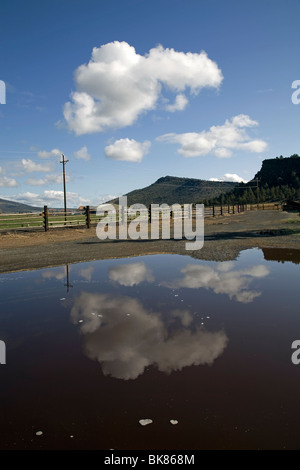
x,y
103,198
229,177
52,153
220,141
87,273
128,150
180,104
82,154
223,279
51,198
126,338
29,166
131,274
55,273
48,179
118,85
7,182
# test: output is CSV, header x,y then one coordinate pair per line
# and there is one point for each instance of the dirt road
x,y
225,237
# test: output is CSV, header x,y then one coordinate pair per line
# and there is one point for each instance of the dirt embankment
x,y
225,237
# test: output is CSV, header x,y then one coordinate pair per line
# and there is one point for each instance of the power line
x,y
247,187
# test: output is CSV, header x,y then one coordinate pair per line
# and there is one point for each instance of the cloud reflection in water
x,y
55,273
222,280
125,338
131,274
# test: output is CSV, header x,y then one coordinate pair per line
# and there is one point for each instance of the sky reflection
x,y
125,338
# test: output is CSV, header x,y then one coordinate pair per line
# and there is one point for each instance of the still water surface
x,y
93,348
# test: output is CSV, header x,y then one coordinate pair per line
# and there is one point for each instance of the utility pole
x,y
64,181
257,190
68,285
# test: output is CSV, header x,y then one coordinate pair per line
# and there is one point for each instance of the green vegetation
x,y
278,180
292,221
22,221
17,221
171,189
10,207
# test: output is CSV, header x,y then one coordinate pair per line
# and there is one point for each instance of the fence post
x,y
46,219
214,211
87,217
150,214
233,209
221,210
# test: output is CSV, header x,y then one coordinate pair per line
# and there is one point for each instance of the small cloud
x,y
52,153
29,166
55,273
223,279
82,154
87,273
36,181
103,198
220,141
233,177
131,274
180,104
128,150
6,182
49,179
51,198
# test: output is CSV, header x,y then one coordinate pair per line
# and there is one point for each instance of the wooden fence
x,y
87,218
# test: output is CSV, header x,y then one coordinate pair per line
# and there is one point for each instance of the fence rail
x,y
87,218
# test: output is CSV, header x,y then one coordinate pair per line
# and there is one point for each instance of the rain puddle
x,y
154,352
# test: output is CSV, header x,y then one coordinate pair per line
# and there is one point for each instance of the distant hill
x,y
171,190
277,180
280,171
11,207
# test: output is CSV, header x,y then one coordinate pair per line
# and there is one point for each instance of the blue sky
x,y
149,103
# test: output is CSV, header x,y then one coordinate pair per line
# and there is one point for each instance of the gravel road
x,y
225,237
